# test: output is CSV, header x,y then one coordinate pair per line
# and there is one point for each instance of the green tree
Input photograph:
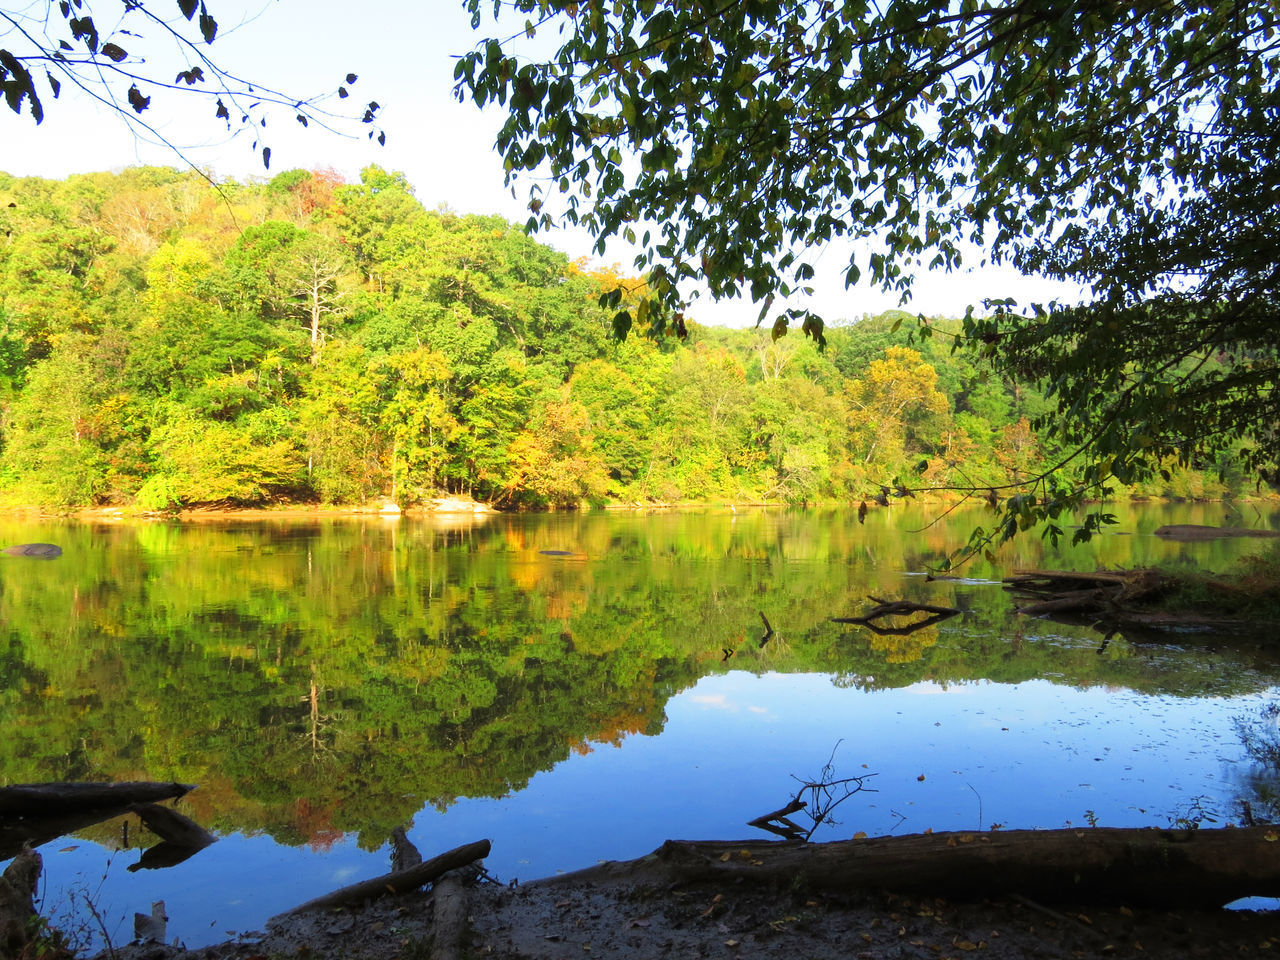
x,y
417,416
339,415
1130,146
50,445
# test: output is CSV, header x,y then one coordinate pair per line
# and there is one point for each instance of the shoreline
x,y
457,507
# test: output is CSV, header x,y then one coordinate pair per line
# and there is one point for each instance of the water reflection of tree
x,y
331,665
1260,786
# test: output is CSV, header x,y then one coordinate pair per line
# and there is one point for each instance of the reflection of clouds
x,y
717,700
344,873
929,689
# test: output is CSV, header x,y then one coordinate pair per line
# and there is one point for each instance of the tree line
x,y
168,343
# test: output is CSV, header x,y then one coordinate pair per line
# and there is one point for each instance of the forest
x,y
168,341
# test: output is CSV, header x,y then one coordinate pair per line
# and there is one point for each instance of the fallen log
x,y
1067,602
1149,867
173,827
47,799
30,831
400,882
449,916
1188,532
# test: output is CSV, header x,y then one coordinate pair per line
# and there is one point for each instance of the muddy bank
x,y
629,920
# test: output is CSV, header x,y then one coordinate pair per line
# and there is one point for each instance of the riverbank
x,y
456,506
628,921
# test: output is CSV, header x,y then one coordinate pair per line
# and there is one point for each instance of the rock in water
x,y
151,927
45,551
17,910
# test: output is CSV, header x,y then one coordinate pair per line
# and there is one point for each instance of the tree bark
x,y
401,882
1167,868
449,917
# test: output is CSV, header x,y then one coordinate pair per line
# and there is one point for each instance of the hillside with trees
x,y
166,343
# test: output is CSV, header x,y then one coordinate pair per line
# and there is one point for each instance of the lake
x,y
579,687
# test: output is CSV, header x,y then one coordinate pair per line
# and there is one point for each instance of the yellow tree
x,y
895,408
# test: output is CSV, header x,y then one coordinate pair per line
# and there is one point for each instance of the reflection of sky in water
x,y
1028,755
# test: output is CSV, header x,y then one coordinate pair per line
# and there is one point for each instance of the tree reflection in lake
x,y
328,681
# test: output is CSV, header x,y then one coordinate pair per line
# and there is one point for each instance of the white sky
x,y
404,56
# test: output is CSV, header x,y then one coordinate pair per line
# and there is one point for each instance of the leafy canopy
x,y
125,57
1125,145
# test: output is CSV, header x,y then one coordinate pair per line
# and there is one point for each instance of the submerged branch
x,y
893,608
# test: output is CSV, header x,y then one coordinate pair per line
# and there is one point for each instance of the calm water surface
x,y
325,682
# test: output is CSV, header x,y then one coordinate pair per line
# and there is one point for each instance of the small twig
x,y
979,796
106,937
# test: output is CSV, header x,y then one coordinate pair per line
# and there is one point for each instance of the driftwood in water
x,y
49,799
172,826
34,814
779,821
17,902
893,608
403,853
1097,593
43,551
1187,532
401,882
180,837
1115,599
1168,868
163,855
19,832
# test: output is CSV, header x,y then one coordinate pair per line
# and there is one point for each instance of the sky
x,y
404,55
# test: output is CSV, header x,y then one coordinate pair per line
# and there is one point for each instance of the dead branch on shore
x,y
401,882
895,608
